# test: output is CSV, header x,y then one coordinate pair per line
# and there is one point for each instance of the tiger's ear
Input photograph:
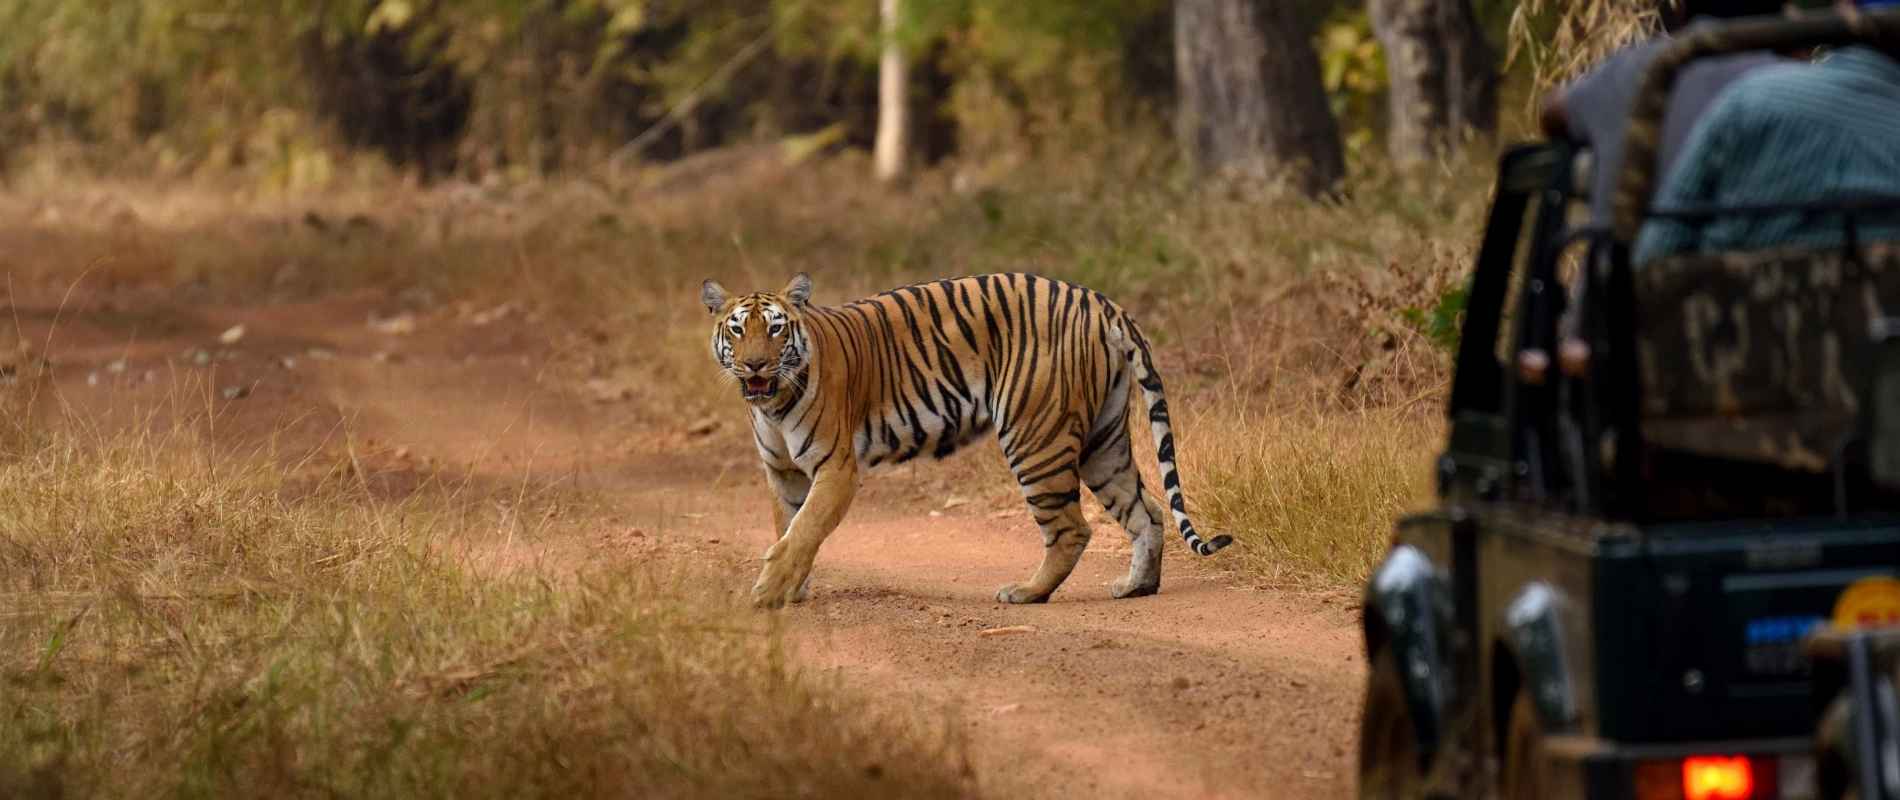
x,y
713,295
799,290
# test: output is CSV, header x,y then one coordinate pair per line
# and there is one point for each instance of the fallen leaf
x,y
1005,631
492,315
401,324
703,427
233,335
1005,709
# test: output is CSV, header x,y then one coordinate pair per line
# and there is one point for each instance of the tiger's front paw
x,y
780,582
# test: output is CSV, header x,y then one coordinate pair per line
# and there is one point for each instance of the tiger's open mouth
x,y
759,388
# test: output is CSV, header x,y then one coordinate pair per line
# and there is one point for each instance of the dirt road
x,y
1210,689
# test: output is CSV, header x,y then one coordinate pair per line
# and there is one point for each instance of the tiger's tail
x,y
1135,346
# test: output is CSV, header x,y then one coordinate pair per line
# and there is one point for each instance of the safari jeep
x,y
1632,548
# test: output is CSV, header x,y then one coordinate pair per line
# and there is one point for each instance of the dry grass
x,y
1311,498
1560,39
25,399
177,625
1271,316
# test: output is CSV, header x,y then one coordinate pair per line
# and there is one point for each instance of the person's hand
x,y
1532,366
1573,357
1551,116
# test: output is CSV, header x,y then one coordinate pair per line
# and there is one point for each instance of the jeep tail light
x,y
1718,778
1725,777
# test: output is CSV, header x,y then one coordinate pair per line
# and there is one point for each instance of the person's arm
x,y
1552,116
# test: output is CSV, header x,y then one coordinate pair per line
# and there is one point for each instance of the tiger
x,y
833,392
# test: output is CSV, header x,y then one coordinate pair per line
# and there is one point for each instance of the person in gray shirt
x,y
1593,110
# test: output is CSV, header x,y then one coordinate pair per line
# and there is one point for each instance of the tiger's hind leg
x,y
1108,467
1111,476
1052,488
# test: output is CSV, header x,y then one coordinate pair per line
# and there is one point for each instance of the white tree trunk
x,y
892,80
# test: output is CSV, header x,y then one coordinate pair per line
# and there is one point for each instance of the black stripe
x,y
1055,500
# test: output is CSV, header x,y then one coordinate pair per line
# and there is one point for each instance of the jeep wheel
x,y
1526,773
1388,746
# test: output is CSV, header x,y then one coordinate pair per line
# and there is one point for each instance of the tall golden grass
x,y
1559,39
178,624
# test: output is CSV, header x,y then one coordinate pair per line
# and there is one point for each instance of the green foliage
x,y
562,82
1441,322
74,58
1352,65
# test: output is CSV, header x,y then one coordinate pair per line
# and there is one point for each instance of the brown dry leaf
x,y
704,427
401,324
491,316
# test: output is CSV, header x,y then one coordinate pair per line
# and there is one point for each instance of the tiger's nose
x,y
757,365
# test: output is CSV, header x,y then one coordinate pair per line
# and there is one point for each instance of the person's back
x,y
1594,109
1797,134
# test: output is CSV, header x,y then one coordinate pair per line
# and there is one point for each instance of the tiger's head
x,y
756,337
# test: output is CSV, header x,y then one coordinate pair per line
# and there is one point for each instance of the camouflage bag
x,y
1765,356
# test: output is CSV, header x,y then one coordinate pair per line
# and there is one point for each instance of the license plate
x,y
1871,602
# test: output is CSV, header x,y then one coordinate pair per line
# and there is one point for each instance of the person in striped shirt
x,y
1789,134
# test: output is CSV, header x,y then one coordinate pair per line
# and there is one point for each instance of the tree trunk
x,y
1473,73
888,150
1251,98
1441,73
